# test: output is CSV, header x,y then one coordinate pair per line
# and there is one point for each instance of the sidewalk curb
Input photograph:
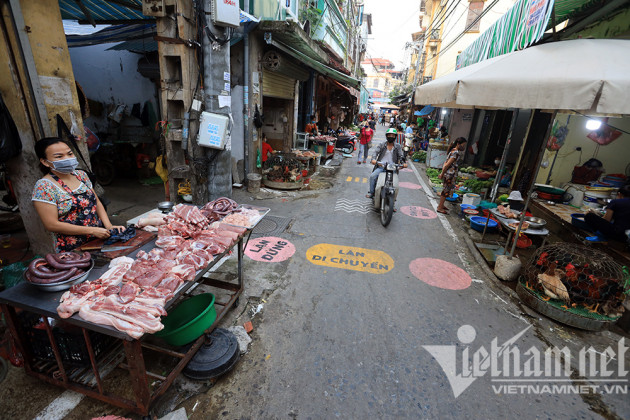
x,y
480,260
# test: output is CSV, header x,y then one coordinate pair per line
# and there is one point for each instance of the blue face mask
x,y
65,166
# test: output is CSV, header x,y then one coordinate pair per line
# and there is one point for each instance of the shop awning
x,y
114,33
523,25
317,66
102,11
424,111
585,75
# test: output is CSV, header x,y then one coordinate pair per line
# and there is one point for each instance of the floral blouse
x,y
47,191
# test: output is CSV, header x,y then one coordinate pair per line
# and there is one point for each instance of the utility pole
x,y
216,69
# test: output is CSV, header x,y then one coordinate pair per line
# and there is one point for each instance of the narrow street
x,y
347,343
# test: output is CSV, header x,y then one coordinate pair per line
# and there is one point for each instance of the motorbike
x,y
386,191
345,143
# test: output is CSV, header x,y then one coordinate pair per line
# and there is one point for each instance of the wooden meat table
x,y
123,351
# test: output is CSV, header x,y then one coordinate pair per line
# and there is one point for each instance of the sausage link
x,y
64,275
54,262
36,271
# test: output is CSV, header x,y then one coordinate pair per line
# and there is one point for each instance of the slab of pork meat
x,y
72,300
169,242
128,292
133,314
171,282
185,272
102,318
189,214
150,277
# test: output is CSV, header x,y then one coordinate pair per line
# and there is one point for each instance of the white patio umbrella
x,y
591,76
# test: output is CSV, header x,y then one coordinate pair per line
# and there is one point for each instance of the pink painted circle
x,y
439,273
270,249
418,212
409,185
406,170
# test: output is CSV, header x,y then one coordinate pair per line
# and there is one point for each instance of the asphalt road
x,y
339,341
344,324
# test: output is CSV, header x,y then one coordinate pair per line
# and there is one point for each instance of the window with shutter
x,y
474,10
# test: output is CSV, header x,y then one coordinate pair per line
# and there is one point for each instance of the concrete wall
x,y
461,122
112,78
454,25
614,156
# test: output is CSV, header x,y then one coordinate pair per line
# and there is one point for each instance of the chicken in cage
x,y
283,167
578,276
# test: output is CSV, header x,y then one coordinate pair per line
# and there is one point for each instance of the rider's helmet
x,y
391,134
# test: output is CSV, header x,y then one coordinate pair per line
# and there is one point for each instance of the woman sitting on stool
x,y
616,220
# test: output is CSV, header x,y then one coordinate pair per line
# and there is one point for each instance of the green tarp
x,y
521,26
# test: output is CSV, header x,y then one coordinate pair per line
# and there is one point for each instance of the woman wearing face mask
x,y
65,200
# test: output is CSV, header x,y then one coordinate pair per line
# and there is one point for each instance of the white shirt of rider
x,y
388,157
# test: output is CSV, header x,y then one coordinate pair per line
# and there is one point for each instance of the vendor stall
x,y
113,327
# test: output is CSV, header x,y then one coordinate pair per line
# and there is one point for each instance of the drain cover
x,y
215,358
266,225
271,225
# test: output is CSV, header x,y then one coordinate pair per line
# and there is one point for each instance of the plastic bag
x,y
10,143
160,169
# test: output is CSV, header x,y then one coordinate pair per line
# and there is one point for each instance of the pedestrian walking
x,y
366,137
373,124
449,171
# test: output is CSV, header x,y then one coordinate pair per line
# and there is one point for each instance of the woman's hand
x,y
118,228
100,233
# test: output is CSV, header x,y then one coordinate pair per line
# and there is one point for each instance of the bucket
x,y
472,199
253,182
330,149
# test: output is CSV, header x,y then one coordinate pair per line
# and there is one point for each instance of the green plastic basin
x,y
188,321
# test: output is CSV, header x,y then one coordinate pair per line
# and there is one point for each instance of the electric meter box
x,y
212,130
226,13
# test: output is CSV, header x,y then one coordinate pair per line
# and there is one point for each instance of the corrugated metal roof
x,y
102,10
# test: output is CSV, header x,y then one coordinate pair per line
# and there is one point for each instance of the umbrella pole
x,y
551,169
533,181
497,178
506,150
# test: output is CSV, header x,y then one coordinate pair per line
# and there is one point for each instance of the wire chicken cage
x,y
579,279
283,167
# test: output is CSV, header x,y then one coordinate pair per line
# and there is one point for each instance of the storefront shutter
x,y
278,86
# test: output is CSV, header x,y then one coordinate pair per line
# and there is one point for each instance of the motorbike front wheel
x,y
348,149
387,209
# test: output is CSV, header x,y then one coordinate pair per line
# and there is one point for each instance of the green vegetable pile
x,y
433,175
475,185
469,170
419,156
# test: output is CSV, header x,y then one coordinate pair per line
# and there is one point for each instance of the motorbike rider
x,y
386,152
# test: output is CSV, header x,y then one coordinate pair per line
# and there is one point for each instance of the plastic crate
x,y
69,338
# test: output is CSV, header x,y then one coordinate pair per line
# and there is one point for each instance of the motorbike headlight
x,y
391,167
